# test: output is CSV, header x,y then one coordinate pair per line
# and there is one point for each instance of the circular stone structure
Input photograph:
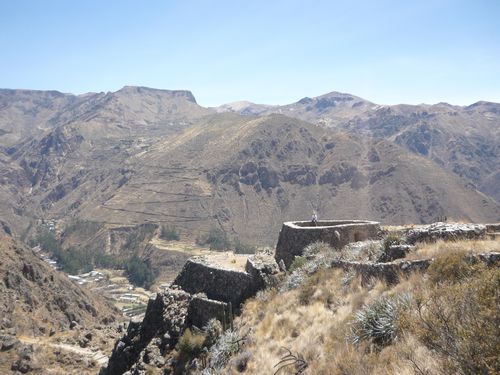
x,y
296,235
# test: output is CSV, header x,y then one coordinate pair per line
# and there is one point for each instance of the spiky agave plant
x,y
377,322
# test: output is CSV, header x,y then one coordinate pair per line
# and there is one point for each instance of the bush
x,y
391,240
459,321
452,267
316,248
169,233
139,272
298,262
190,344
213,330
226,346
378,322
216,239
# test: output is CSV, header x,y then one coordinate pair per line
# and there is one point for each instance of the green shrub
x,y
191,344
139,272
169,233
70,260
378,322
298,262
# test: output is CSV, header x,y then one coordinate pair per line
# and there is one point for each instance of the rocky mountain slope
x,y
37,300
49,324
249,174
463,140
144,155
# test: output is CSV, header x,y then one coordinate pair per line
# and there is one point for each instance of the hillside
x,y
48,323
248,175
463,140
145,155
36,299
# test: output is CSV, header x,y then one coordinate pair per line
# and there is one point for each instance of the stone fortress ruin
x,y
296,235
209,288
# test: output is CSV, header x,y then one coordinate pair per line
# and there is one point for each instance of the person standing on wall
x,y
314,219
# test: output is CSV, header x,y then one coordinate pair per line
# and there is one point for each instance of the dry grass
x,y
432,250
315,320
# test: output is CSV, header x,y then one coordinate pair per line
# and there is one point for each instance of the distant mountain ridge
x,y
146,155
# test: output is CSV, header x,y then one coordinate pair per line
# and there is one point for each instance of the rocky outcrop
x,y
202,291
295,236
264,271
446,232
164,321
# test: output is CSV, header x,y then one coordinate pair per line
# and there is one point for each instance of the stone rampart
x,y
199,275
446,232
295,236
391,271
202,309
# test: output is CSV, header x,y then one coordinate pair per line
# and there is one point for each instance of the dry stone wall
x,y
295,236
226,285
446,232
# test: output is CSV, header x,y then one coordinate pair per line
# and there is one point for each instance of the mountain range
x,y
142,155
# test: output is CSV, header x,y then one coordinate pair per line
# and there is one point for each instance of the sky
x,y
273,52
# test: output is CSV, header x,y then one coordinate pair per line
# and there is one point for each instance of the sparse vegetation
x,y
392,240
458,319
190,343
169,233
216,239
443,321
241,248
298,262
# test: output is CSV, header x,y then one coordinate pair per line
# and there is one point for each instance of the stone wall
x,y
446,232
295,236
202,309
391,271
226,285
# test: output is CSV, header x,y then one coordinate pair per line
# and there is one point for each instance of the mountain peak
x,y
134,90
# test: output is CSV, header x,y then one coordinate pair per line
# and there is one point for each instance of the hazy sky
x,y
272,52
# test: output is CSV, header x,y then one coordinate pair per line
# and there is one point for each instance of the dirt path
x,y
93,354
